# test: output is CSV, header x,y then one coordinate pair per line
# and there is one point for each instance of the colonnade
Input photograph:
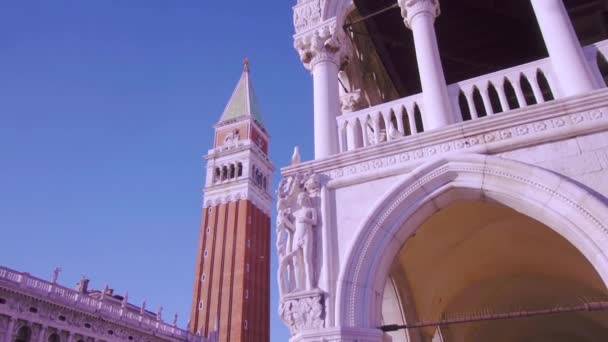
x,y
326,51
23,331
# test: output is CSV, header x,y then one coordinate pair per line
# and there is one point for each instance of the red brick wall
x,y
226,277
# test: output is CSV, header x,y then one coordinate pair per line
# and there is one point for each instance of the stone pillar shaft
x,y
419,16
565,52
326,107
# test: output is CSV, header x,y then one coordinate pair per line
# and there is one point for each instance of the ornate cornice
x,y
326,43
259,197
410,9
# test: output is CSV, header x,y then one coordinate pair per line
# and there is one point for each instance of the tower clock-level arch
x,y
563,211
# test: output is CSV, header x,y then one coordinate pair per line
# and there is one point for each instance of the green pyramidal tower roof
x,y
243,101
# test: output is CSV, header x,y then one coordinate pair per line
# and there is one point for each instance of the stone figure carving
x,y
296,219
55,275
232,137
159,313
83,285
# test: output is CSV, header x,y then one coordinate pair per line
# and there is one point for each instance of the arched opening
x,y
218,173
24,334
239,169
477,256
544,86
357,134
383,128
526,88
232,171
603,66
464,107
494,99
54,337
478,101
418,119
406,122
440,183
510,94
224,172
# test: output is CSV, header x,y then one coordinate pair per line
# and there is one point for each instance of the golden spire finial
x,y
246,64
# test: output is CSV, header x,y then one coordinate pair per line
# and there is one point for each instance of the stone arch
x,y
337,8
567,208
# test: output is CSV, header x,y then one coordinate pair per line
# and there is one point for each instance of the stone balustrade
x,y
112,311
504,90
484,96
385,122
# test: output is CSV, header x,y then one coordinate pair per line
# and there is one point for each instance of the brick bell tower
x,y
232,276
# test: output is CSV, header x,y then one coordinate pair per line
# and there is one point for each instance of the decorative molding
x,y
259,197
303,311
503,132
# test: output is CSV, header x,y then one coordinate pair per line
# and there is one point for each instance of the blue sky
x,y
106,109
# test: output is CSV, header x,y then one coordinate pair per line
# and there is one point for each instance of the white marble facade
x,y
363,196
36,310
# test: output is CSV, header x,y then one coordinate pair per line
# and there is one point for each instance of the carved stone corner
x,y
351,101
303,311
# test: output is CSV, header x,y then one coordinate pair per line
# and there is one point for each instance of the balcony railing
x,y
499,92
73,298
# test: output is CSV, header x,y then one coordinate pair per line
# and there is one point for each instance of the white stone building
x,y
461,168
36,310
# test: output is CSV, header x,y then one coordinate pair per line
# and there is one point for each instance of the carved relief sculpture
x,y
301,301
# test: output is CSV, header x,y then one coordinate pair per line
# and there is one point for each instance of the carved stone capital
x,y
303,311
323,44
410,9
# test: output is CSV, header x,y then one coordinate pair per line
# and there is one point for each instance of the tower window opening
x,y
224,172
232,171
200,305
205,254
239,169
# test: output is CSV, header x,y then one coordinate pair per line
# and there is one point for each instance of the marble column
x,y
322,53
565,51
419,16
